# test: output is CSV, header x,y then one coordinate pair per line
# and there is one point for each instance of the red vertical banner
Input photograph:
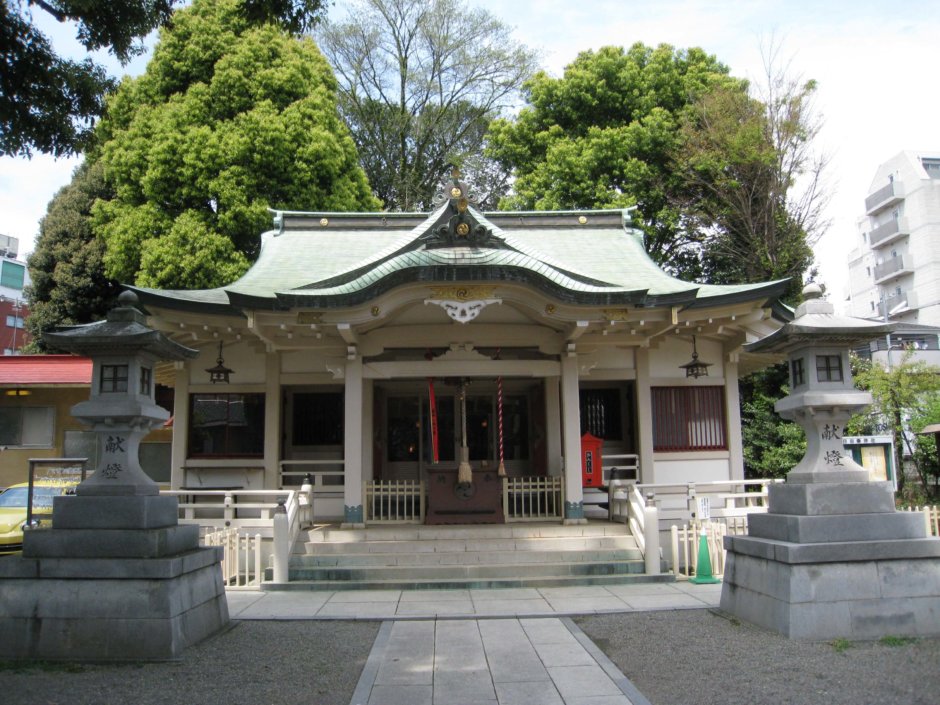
x,y
433,410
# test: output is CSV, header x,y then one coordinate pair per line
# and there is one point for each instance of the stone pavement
x,y
501,602
514,646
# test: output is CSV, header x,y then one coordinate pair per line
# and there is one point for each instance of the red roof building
x,y
18,371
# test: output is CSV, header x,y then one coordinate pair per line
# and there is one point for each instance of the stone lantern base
x,y
834,559
115,579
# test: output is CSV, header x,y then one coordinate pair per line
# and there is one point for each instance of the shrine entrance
x,y
404,444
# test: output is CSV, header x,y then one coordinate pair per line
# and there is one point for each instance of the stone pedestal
x,y
115,579
834,559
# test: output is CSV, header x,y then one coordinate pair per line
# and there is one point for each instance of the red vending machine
x,y
592,473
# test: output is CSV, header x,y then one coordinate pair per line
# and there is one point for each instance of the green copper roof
x,y
334,260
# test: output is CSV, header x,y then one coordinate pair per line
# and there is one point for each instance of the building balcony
x,y
885,234
894,304
885,197
893,267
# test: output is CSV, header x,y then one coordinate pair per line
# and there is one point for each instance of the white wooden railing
x,y
535,498
273,515
241,557
294,471
393,501
625,463
687,539
931,517
627,505
677,502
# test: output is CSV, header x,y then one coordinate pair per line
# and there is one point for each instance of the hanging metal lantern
x,y
695,368
220,372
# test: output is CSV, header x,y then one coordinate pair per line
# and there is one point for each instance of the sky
x,y
875,64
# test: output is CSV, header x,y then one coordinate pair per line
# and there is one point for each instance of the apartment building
x,y
894,268
14,276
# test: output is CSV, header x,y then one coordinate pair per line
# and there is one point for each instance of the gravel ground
x,y
255,663
698,657
682,657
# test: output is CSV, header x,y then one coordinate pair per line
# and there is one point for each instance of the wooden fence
x,y
536,498
393,501
686,541
241,557
931,517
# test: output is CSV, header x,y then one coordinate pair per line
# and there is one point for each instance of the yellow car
x,y
13,503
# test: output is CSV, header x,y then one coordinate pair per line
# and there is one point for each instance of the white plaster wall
x,y
690,468
308,362
677,350
607,358
247,363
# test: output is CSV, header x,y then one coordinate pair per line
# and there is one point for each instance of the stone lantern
x,y
822,397
116,578
121,408
831,557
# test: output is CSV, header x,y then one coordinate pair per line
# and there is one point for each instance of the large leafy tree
x,y
604,135
419,83
49,103
229,119
754,179
67,269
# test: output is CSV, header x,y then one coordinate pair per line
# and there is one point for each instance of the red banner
x,y
433,411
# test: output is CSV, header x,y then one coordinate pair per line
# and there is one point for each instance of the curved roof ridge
x,y
370,260
508,258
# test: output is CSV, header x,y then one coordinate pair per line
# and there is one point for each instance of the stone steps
x,y
426,558
478,557
469,545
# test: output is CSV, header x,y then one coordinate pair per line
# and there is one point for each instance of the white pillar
x,y
552,426
180,427
570,403
733,416
644,415
272,420
352,444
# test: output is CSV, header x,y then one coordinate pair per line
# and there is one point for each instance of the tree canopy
x,y
754,178
49,103
603,136
419,83
67,270
228,120
709,165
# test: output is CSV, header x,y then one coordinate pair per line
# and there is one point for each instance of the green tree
x,y
604,135
419,83
906,396
229,119
772,445
66,267
49,103
754,179
926,459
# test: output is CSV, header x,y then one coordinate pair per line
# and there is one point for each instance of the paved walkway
x,y
514,646
505,602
